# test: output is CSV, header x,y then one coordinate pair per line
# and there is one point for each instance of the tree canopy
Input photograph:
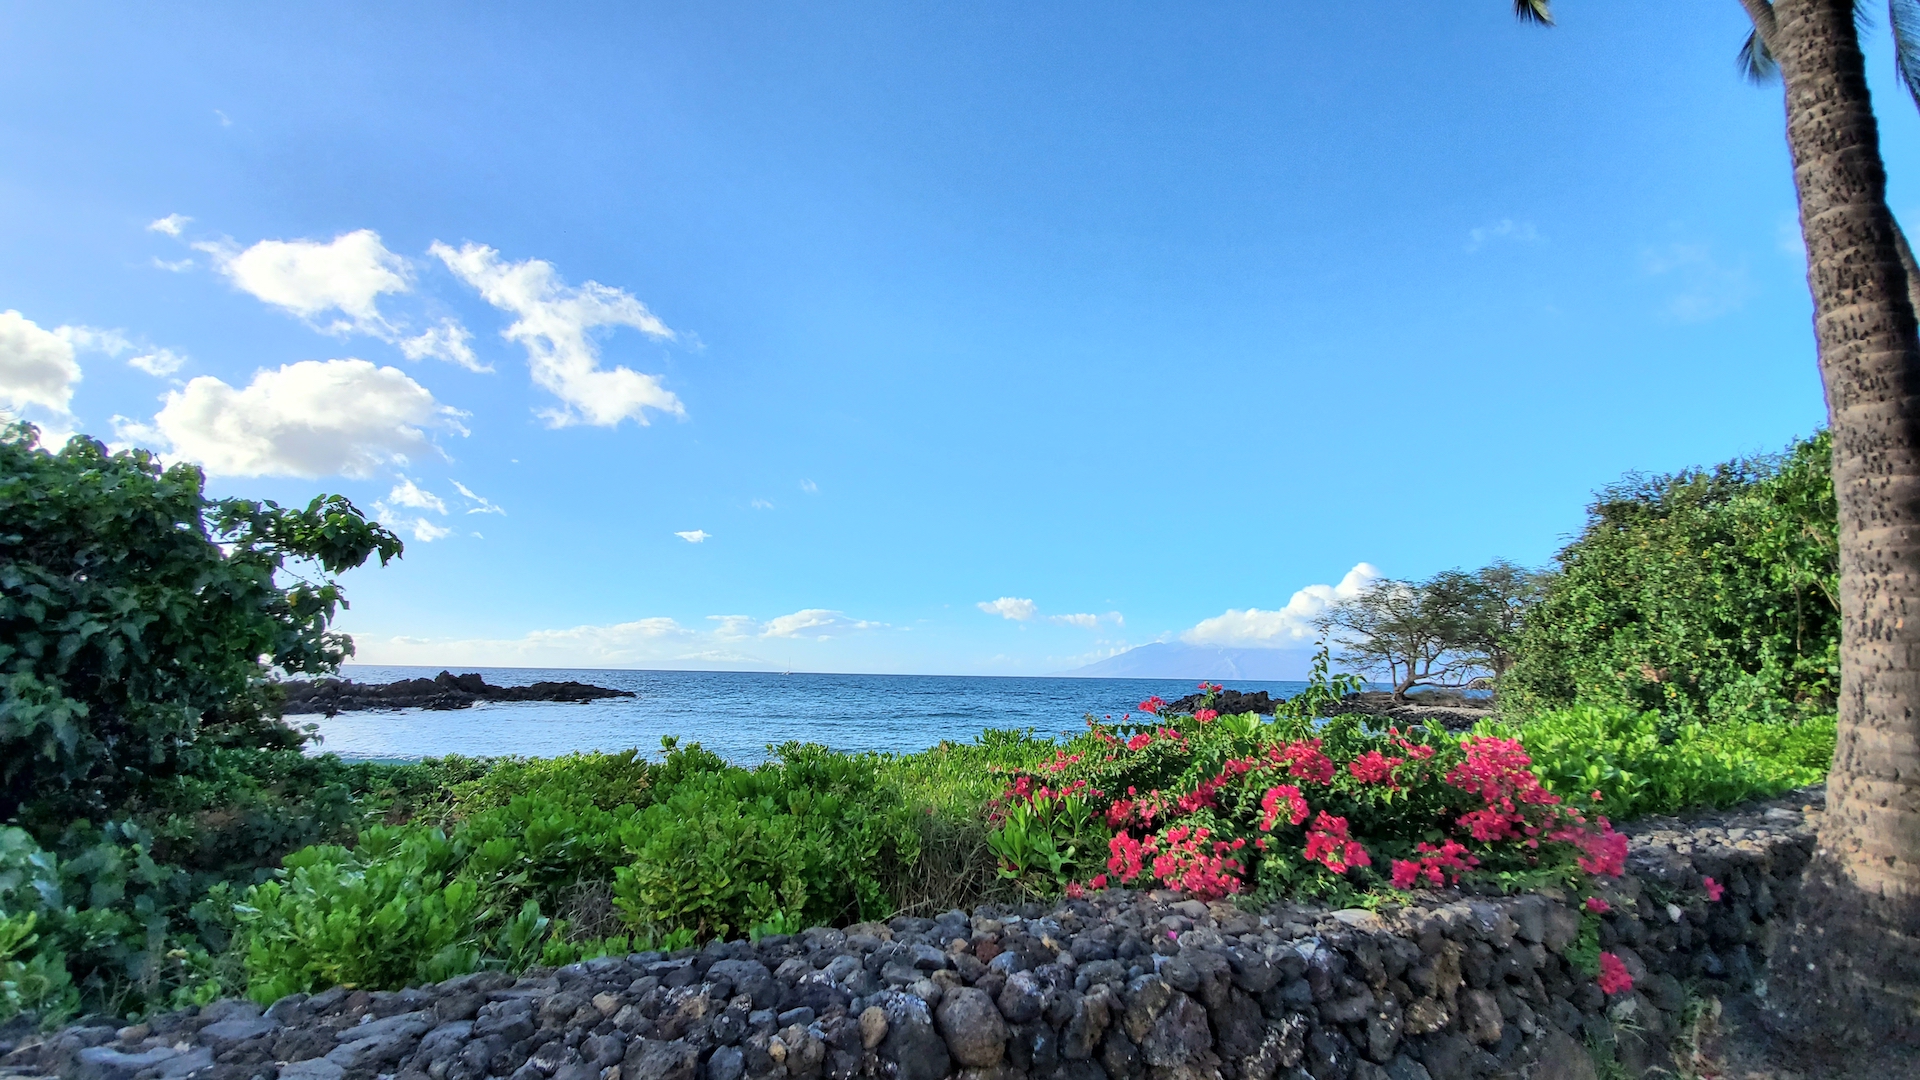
x,y
1704,594
139,617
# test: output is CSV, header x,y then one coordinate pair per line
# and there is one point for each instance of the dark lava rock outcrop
x,y
444,691
1227,703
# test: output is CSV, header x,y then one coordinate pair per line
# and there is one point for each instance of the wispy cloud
x,y
171,225
1707,288
554,322
403,509
1506,229
159,363
1021,609
809,487
694,536
480,505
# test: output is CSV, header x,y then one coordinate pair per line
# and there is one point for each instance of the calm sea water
x,y
738,714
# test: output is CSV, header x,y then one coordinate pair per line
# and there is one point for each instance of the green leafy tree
x,y
139,619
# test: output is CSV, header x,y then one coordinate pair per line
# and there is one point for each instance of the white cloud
x,y
408,496
1019,609
159,363
310,419
693,536
817,623
762,504
344,277
733,627
171,225
408,493
448,341
1519,232
480,505
553,321
809,487
37,368
224,122
94,339
1010,607
177,266
1290,625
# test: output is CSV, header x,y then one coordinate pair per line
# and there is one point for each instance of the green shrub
x,y
602,780
385,913
1643,763
1706,595
804,837
39,983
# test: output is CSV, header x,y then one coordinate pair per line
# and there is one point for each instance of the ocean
x,y
737,715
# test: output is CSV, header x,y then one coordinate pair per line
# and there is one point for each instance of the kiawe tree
x,y
1848,968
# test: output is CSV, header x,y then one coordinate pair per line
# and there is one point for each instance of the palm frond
x,y
1534,11
1756,62
1904,17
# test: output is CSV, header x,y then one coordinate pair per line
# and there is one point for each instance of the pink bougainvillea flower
x,y
1329,844
1598,906
1613,975
1285,799
1439,866
1373,767
1714,889
1304,760
1099,881
1153,705
1140,741
1206,716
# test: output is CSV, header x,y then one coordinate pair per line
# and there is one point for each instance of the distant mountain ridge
x,y
1176,660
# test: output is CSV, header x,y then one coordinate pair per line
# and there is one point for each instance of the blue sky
x,y
746,335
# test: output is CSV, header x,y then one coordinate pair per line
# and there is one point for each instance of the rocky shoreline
x,y
444,691
1121,985
1455,712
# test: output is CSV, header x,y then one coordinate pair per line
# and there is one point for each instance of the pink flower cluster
x,y
1374,767
1329,845
1439,866
1204,795
1183,859
1614,978
1270,806
1304,760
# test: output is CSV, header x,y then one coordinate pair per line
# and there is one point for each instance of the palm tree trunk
x,y
1849,966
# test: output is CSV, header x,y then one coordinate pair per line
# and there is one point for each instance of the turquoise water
x,y
738,714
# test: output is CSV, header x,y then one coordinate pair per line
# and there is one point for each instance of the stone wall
x,y
1122,985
